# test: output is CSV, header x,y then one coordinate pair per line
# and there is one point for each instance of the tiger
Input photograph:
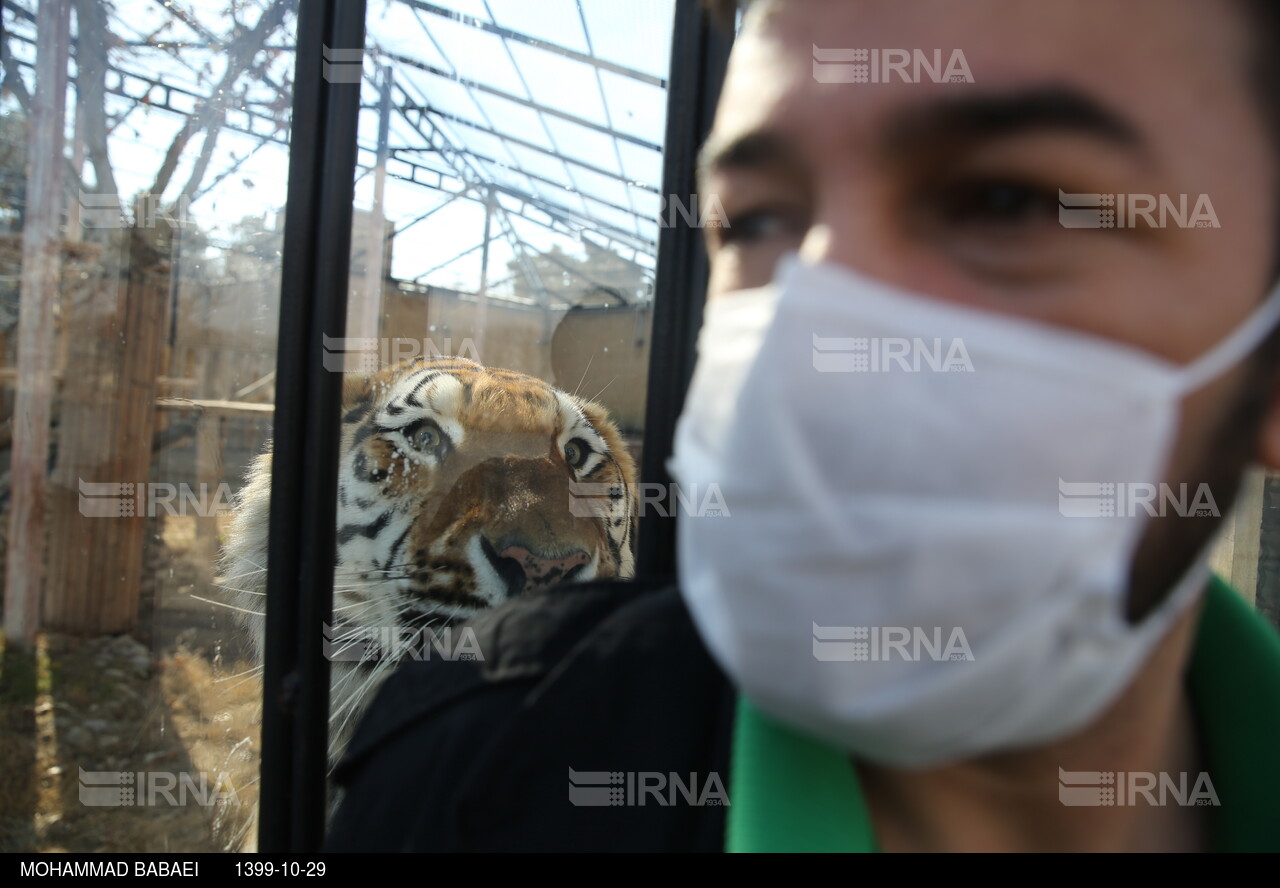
x,y
460,487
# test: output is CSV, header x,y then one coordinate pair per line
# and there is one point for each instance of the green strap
x,y
1234,680
791,793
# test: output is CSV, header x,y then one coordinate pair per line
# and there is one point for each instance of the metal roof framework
x,y
462,134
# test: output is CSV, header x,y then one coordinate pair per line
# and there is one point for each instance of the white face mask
x,y
899,572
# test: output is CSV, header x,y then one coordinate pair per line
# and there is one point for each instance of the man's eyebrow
x,y
755,149
967,118
945,122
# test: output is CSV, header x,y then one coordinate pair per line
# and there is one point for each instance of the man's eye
x,y
758,225
996,202
576,453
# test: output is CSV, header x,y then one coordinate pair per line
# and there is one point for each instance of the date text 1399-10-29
x,y
280,868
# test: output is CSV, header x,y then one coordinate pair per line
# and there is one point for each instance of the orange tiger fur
x,y
456,490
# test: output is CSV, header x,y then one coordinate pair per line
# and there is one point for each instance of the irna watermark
x,y
890,66
1131,499
589,499
855,644
602,789
1122,210
108,211
889,354
124,789
1092,789
696,212
340,65
365,644
371,354
111,499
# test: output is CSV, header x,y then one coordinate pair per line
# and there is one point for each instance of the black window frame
x,y
313,301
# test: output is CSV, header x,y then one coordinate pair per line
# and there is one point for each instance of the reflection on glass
x,y
126,716
508,204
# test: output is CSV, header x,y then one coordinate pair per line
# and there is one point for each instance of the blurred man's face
x,y
951,189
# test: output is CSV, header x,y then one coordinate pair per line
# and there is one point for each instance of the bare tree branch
x,y
202,162
91,88
240,56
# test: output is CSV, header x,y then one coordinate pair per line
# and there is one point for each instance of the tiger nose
x,y
540,572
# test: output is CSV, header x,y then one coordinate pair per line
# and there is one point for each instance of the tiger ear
x,y
599,417
357,389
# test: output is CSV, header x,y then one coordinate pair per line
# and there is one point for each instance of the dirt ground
x,y
182,704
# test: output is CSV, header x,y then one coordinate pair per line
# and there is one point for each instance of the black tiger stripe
x,y
412,398
449,597
362,433
360,410
360,466
615,548
615,545
348,532
431,375
396,546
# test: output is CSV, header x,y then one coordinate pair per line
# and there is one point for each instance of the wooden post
x,y
36,344
108,416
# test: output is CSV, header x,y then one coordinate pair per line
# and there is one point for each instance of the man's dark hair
x,y
725,12
1263,70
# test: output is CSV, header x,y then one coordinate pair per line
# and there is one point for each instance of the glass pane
x,y
131,721
131,716
535,256
1247,553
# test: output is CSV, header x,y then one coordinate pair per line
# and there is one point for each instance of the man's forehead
x,y
1154,64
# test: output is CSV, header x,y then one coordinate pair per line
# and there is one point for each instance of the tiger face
x,y
459,487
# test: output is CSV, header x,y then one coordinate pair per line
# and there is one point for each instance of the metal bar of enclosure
x,y
519,100
313,302
508,34
699,54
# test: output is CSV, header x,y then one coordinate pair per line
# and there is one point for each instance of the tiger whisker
x,y
237,589
256,670
243,681
247,573
350,703
585,370
601,392
243,610
350,606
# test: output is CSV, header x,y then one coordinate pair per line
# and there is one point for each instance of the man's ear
x,y
1269,432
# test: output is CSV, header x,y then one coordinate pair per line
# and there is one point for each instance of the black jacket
x,y
458,755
